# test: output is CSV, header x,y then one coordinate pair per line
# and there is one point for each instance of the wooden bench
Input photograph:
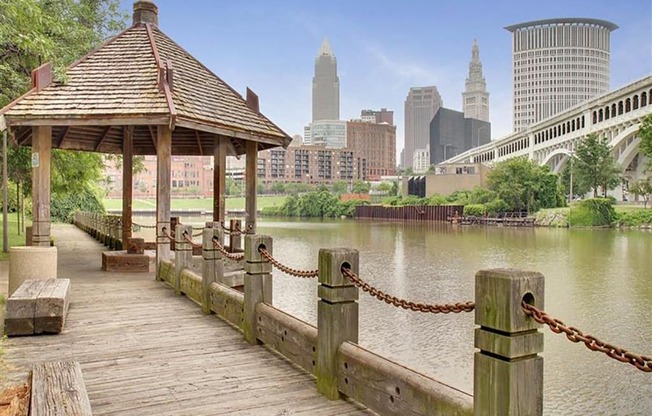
x,y
58,388
38,306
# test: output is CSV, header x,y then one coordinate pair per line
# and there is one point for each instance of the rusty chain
x,y
221,249
188,239
286,269
406,304
142,226
573,334
170,236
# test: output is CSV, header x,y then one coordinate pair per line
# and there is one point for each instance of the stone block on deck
x,y
122,261
38,306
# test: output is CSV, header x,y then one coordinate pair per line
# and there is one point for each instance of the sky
x,y
383,48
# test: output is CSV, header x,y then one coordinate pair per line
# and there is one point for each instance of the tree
x,y
523,185
361,187
33,32
339,187
278,188
594,166
645,133
642,188
394,190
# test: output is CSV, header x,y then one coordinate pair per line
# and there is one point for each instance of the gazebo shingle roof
x,y
142,78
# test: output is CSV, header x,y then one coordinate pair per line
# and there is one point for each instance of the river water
x,y
599,281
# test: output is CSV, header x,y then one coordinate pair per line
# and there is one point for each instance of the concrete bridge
x,y
615,115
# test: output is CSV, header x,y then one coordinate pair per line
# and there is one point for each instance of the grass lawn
x,y
14,238
196,203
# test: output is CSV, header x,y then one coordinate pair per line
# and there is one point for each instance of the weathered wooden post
x,y
337,314
256,270
235,235
212,264
183,254
508,372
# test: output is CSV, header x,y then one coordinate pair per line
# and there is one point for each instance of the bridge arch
x,y
559,166
627,156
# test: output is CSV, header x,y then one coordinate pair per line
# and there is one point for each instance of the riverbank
x,y
627,216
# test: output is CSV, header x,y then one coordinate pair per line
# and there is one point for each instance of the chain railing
x,y
286,269
133,224
167,234
406,304
573,334
221,249
188,239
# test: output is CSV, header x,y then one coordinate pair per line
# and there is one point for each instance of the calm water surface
x,y
597,280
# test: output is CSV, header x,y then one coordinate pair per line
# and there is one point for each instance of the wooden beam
x,y
219,179
127,182
62,137
152,136
251,174
41,152
227,132
163,182
198,137
91,120
23,137
102,137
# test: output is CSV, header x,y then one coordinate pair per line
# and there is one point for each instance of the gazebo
x,y
139,93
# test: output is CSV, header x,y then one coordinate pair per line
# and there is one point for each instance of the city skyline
x,y
382,51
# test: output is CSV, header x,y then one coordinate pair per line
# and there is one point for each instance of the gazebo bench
x,y
58,388
38,306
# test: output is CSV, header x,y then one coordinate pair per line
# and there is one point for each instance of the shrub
x,y
476,210
635,218
63,207
593,213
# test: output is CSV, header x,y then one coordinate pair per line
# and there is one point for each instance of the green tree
x,y
33,32
278,188
339,187
645,133
594,166
643,189
523,185
394,190
361,187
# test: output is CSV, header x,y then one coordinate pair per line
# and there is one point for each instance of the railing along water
x,y
508,309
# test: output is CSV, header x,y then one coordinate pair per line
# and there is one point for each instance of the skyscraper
x,y
558,63
475,98
325,85
421,105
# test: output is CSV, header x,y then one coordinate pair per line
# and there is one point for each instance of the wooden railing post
x,y
257,269
183,254
337,314
212,264
235,237
508,372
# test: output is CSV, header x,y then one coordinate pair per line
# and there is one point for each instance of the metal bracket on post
x,y
257,270
337,314
508,372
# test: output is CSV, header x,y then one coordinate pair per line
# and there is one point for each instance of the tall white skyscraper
x,y
421,105
475,98
325,85
558,63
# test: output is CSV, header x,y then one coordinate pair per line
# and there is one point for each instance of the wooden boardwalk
x,y
145,351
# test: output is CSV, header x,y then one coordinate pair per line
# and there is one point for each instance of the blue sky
x,y
382,48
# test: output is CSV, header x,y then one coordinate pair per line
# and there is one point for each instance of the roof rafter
x,y
105,133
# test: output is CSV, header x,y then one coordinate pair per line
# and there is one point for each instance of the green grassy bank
x,y
14,238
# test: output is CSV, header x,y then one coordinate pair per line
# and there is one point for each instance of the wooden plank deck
x,y
145,351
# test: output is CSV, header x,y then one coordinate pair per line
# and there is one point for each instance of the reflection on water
x,y
597,280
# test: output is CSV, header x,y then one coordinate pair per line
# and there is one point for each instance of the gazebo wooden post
x,y
219,180
127,183
41,152
251,174
163,181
